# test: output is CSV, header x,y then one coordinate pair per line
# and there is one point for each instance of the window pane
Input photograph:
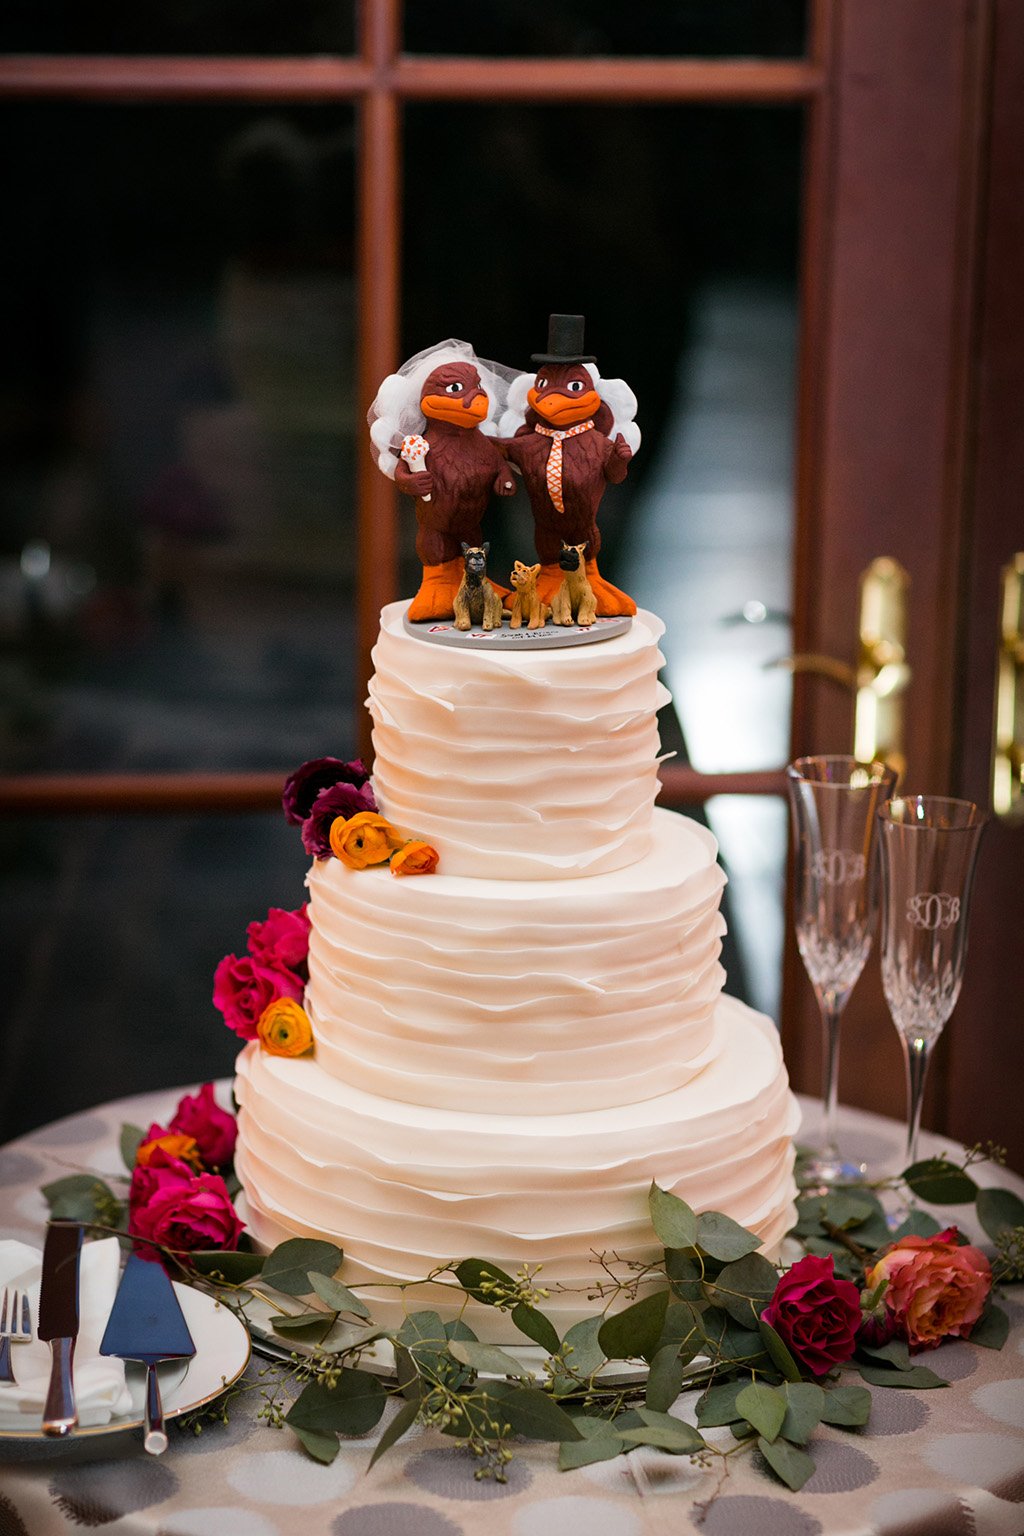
x,y
177,26
113,929
177,528
724,28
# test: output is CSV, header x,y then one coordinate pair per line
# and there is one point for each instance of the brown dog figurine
x,y
526,603
574,602
476,601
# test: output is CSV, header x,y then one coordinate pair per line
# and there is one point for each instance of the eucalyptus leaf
x,y
287,1268
999,1209
536,1327
457,1328
403,1420
672,1219
723,1238
718,1405
845,1209
745,1288
917,1224
764,1407
422,1328
918,1378
805,1405
474,1274
848,1407
664,1432
633,1334
665,1378
129,1142
682,1330
352,1407
486,1357
788,1462
896,1353
940,1182
599,1442
236,1268
79,1197
778,1352
322,1447
730,1343
992,1328
535,1414
337,1296
686,1271
305,1327
581,1351
809,1212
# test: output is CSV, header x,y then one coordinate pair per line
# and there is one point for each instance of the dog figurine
x,y
526,603
476,601
574,602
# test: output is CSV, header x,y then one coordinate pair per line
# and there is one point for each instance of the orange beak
x,y
564,410
461,411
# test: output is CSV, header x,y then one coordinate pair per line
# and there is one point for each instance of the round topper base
x,y
506,639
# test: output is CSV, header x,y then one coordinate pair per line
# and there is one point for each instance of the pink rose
x,y
244,987
213,1129
179,1209
815,1315
281,940
937,1288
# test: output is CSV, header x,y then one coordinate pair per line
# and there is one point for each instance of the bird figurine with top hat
x,y
570,433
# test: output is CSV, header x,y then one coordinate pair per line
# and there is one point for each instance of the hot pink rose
x,y
281,940
179,1209
214,1130
815,1315
937,1288
243,987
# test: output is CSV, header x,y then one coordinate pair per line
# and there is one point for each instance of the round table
x,y
936,1463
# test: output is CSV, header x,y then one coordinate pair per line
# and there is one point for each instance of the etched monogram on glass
x,y
834,802
929,847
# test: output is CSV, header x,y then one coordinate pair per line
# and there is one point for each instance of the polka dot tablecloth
x,y
938,1463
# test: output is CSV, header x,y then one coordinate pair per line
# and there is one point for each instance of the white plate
x,y
222,1354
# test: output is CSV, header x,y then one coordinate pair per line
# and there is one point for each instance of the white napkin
x,y
100,1390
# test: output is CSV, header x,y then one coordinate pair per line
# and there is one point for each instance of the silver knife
x,y
58,1322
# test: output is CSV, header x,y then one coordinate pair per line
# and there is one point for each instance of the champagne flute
x,y
929,848
835,802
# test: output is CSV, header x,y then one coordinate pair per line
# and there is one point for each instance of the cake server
x,y
58,1322
146,1324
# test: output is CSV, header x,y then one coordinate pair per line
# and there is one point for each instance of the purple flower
x,y
303,786
340,800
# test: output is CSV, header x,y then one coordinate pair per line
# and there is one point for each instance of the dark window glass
x,y
177,26
177,515
724,28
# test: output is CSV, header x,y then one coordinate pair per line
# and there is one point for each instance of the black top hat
x,y
565,341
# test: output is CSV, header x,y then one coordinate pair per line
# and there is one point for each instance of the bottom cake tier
x,y
402,1188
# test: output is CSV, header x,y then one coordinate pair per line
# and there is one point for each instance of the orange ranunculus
x,y
364,839
936,1287
173,1143
414,859
283,1028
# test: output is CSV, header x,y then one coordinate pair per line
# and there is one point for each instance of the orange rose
x,y
414,859
171,1142
936,1287
283,1028
364,839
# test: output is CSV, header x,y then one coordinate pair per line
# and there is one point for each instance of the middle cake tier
x,y
520,997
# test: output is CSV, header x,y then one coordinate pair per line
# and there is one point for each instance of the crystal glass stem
x,y
831,1013
916,1056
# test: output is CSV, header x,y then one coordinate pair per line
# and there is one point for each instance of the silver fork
x,y
16,1325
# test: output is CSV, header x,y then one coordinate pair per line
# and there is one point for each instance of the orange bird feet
x,y
611,603
436,596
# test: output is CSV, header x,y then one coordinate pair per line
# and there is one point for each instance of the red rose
x,y
815,1315
936,1287
179,1209
281,940
213,1129
243,988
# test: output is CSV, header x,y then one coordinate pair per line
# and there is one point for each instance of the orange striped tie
x,y
554,469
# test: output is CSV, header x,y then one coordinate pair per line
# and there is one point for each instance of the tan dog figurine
x,y
476,601
574,602
526,603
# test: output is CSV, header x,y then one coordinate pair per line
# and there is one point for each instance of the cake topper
x,y
574,433
433,426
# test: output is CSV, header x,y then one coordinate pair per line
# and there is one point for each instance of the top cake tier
x,y
539,765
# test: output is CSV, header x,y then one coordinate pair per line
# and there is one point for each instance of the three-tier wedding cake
x,y
507,1053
